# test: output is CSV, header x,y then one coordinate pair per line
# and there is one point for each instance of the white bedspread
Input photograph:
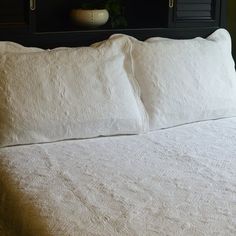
x,y
179,181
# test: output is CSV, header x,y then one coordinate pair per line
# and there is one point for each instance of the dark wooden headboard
x,y
47,24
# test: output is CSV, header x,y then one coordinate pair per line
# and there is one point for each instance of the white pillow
x,y
72,93
184,81
11,47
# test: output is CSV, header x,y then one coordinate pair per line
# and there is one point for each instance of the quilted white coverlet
x,y
179,181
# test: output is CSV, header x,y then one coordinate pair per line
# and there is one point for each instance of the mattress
x,y
178,181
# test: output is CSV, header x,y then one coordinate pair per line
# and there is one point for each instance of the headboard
x,y
47,24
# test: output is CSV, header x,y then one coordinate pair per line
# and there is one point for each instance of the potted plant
x,y
116,11
97,12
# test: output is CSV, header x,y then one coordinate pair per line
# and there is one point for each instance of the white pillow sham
x,y
11,47
185,81
72,93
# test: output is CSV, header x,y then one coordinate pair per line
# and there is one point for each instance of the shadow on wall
x,y
232,23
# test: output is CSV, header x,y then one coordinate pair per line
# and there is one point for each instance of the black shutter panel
x,y
12,11
194,9
194,13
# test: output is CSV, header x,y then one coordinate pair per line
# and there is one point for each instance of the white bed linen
x,y
183,81
178,181
43,98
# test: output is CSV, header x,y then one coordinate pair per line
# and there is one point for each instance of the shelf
x,y
49,25
85,38
138,14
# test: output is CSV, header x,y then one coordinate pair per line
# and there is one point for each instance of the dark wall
x,y
232,23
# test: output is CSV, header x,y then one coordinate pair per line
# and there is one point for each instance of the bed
x,y
151,152
179,181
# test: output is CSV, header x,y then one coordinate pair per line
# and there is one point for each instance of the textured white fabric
x,y
11,47
184,81
177,181
72,93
